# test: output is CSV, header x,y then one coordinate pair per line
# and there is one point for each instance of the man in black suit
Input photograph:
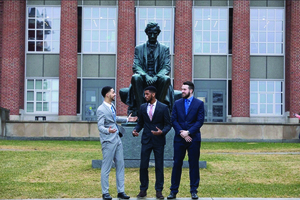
x,y
187,119
154,117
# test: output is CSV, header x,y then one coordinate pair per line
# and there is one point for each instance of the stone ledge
x,y
136,164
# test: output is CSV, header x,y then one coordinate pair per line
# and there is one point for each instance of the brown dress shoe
x,y
159,195
142,194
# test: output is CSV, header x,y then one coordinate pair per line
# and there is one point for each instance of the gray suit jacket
x,y
105,120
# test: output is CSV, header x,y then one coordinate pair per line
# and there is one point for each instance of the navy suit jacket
x,y
160,119
192,121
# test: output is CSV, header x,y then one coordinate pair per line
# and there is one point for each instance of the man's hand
x,y
188,139
134,133
111,130
184,133
132,119
158,132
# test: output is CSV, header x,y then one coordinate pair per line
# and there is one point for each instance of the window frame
x,y
218,42
43,29
140,30
42,90
91,29
267,32
266,93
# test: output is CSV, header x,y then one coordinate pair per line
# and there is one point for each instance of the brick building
x,y
242,55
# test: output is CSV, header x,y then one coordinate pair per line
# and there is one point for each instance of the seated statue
x,y
151,66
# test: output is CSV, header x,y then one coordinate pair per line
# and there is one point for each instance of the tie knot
x,y
187,100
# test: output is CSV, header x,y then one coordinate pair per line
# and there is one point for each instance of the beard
x,y
186,96
150,99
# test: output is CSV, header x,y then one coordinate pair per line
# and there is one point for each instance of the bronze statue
x,y
151,66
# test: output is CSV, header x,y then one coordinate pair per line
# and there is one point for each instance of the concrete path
x,y
205,198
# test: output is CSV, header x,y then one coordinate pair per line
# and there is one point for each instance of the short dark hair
x,y
152,25
106,90
190,84
152,89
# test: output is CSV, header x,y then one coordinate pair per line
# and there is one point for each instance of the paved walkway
x,y
205,198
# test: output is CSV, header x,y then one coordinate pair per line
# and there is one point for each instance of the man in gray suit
x,y
112,148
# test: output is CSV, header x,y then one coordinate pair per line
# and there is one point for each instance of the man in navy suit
x,y
187,119
154,117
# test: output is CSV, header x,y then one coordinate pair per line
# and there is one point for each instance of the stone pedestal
x,y
132,151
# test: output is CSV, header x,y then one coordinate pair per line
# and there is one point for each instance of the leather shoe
x,y
171,196
159,195
142,194
106,196
122,195
194,195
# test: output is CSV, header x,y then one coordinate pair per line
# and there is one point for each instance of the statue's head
x,y
152,30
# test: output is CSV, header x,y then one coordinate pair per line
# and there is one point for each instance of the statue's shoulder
x,y
163,46
140,46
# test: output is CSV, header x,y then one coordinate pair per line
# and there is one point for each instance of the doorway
x,y
92,98
213,94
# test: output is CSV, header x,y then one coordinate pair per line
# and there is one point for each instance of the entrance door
x,y
213,94
92,98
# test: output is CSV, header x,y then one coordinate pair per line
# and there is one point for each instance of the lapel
x,y
156,110
109,111
145,55
156,54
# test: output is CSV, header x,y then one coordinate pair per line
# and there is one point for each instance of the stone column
x,y
241,61
68,61
294,52
12,62
125,52
183,59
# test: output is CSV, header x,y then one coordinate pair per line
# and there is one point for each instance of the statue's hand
x,y
148,79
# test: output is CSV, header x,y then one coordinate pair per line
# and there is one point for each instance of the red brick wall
x,y
183,59
68,58
12,73
1,32
241,59
294,68
125,52
287,54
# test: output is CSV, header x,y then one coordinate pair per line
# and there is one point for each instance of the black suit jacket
x,y
160,119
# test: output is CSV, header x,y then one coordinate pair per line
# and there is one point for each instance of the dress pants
x,y
112,152
193,149
159,166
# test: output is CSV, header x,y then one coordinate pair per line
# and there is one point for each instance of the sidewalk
x,y
205,198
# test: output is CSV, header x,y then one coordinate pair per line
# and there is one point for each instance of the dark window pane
x,y
31,46
31,23
39,35
39,24
31,12
39,46
31,35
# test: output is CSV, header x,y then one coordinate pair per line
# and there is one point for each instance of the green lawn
x,y
62,169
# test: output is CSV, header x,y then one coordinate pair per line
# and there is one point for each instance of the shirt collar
x,y
190,99
154,104
107,104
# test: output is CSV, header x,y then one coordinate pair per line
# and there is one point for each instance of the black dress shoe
x,y
122,195
142,194
171,196
194,196
106,196
159,195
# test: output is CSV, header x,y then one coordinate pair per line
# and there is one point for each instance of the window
x,y
266,98
99,30
210,30
164,18
43,29
42,95
266,31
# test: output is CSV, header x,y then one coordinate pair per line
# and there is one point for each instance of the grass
x,y
62,169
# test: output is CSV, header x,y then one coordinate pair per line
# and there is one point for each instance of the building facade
x,y
242,55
